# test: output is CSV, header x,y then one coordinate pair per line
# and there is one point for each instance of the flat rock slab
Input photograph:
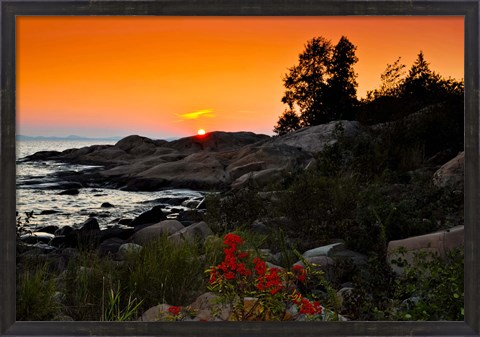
x,y
163,228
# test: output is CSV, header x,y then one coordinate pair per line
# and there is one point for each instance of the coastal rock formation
x,y
217,160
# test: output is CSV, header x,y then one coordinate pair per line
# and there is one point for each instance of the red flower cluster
x,y
236,277
300,273
268,278
231,267
174,310
306,306
310,308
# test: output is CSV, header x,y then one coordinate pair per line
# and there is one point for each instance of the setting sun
x,y
201,132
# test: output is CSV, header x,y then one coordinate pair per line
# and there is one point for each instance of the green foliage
x,y
373,288
23,228
166,272
36,288
307,202
236,209
162,272
113,309
352,188
84,281
432,287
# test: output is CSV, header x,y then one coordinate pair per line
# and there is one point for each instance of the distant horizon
x,y
165,77
83,137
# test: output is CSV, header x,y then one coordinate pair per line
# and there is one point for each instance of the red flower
x,y
300,273
242,270
260,266
270,281
229,275
174,310
309,308
232,240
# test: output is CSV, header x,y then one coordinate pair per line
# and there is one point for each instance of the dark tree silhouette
x,y
321,87
287,122
402,94
392,77
305,83
421,83
342,86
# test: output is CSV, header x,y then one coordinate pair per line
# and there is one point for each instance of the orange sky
x,y
169,76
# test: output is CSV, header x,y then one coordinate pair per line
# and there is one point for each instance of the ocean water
x,y
36,191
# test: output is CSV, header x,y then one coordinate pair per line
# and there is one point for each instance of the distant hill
x,y
71,137
75,137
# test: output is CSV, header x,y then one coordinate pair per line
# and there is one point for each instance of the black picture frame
x,y
12,8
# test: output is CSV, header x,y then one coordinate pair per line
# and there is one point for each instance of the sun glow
x,y
201,132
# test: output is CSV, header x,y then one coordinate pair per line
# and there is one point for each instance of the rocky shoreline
x,y
220,162
215,161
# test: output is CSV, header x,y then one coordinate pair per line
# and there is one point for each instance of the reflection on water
x,y
35,193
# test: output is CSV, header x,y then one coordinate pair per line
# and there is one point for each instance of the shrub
x,y
236,209
373,288
36,301
84,285
164,272
241,276
432,287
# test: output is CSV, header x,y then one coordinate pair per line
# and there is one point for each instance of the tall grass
x,y
165,272
114,309
84,285
162,272
36,299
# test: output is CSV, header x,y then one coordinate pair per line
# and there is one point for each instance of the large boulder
x,y
156,313
163,228
324,250
110,246
35,237
90,225
452,173
196,232
258,179
138,145
313,139
149,217
116,232
271,155
217,141
337,252
238,171
209,308
128,248
87,235
436,243
197,171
